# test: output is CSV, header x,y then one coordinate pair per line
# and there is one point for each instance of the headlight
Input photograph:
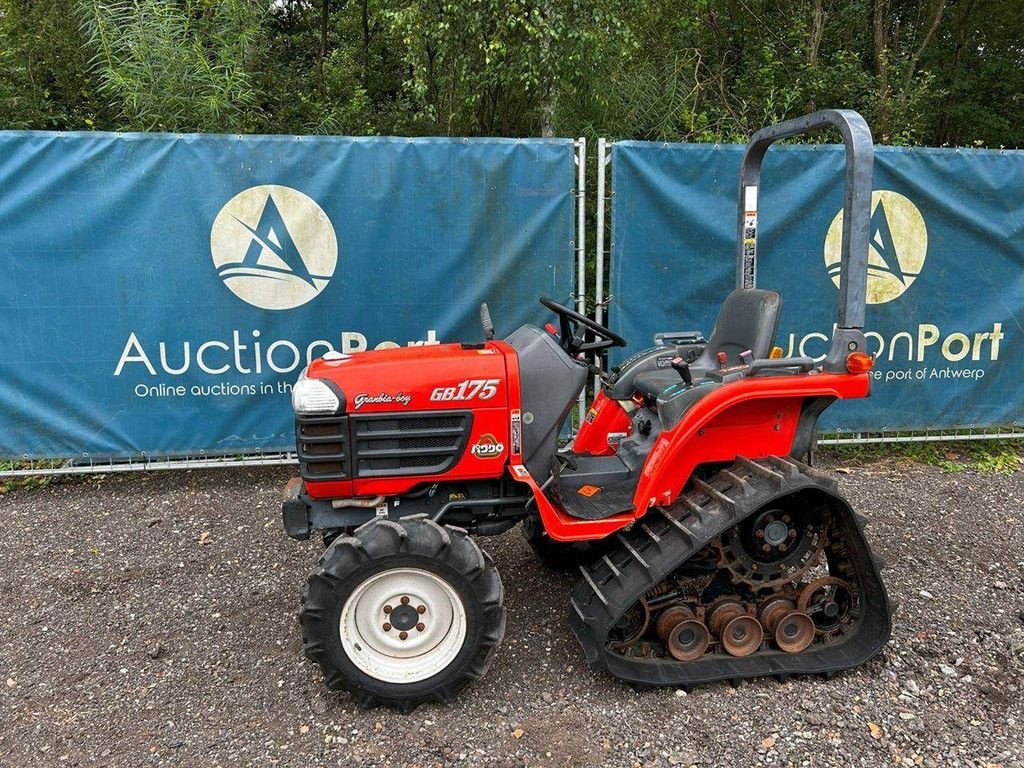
x,y
313,396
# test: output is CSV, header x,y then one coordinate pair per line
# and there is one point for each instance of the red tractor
x,y
711,550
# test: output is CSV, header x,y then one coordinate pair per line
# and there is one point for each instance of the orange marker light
x,y
775,354
859,362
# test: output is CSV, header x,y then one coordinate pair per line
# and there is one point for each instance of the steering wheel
x,y
575,328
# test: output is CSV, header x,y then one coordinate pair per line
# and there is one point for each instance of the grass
x,y
1001,457
8,484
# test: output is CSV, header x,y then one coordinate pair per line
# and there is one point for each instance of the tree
x,y
45,78
921,71
175,66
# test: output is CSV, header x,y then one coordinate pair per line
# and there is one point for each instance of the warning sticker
x,y
517,431
588,491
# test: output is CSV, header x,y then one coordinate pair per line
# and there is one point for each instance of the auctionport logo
x,y
898,244
274,247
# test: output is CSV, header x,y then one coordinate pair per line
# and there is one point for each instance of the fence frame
x,y
603,159
86,464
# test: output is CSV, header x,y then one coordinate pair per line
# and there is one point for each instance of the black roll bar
x,y
853,269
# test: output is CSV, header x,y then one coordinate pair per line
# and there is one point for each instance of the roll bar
x,y
853,269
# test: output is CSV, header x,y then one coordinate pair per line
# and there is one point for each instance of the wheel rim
x,y
403,625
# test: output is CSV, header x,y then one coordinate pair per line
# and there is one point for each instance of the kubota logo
x,y
898,244
274,247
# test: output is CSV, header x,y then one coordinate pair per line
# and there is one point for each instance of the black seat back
x,y
748,319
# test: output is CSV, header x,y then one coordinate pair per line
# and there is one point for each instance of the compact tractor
x,y
708,547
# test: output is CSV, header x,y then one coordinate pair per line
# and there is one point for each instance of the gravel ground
x,y
150,620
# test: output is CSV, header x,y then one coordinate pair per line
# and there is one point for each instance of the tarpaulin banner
x,y
946,267
160,293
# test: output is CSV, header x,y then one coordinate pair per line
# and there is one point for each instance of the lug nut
x,y
405,601
403,635
387,627
421,609
387,609
420,627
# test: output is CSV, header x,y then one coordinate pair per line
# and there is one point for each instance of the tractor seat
x,y
748,319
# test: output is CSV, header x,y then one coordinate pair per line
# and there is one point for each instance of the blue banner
x,y
161,293
946,267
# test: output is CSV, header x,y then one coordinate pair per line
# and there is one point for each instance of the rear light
x,y
859,362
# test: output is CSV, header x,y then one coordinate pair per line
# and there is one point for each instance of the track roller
x,y
792,630
685,636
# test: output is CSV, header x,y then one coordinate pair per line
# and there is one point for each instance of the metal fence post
x,y
581,247
602,161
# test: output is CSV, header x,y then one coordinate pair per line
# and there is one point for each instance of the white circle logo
x,y
274,247
898,244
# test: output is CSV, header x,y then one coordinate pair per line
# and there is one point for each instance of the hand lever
x,y
682,367
485,321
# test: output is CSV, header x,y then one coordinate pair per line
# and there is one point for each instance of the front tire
x,y
404,612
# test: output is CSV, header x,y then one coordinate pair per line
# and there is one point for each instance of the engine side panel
x,y
550,381
412,415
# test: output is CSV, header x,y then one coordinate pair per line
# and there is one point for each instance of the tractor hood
x,y
411,379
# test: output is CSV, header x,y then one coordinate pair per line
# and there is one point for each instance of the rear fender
x,y
755,418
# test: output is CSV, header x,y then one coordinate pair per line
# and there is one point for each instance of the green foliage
x,y
174,67
9,484
474,67
921,71
45,78
991,456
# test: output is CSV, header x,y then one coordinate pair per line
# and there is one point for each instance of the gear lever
x,y
485,321
680,366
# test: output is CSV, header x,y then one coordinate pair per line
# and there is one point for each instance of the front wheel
x,y
403,612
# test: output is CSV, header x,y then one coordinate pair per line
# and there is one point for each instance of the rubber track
x,y
667,536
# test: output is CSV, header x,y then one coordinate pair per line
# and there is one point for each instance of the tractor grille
x,y
345,447
408,444
322,444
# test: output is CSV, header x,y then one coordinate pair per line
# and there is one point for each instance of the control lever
x,y
485,321
568,460
680,366
747,358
